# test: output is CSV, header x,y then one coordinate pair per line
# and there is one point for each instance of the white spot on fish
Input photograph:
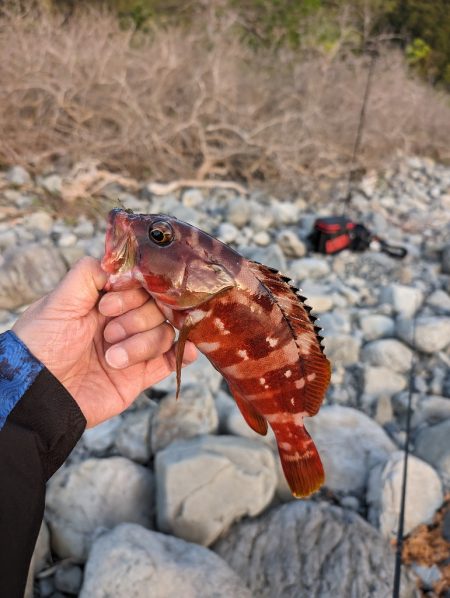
x,y
208,347
262,381
311,377
293,401
197,315
288,373
266,386
220,326
305,342
273,342
300,383
287,446
243,353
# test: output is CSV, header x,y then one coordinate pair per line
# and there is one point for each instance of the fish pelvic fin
x,y
254,419
301,463
181,342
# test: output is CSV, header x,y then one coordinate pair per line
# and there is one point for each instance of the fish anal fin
x,y
250,414
301,463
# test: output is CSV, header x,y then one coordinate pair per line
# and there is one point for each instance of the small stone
x,y
405,300
350,502
342,349
318,297
377,326
18,176
39,222
227,232
423,491
46,587
52,184
431,410
68,579
192,198
95,493
193,415
432,445
262,238
389,353
133,562
291,244
382,381
133,438
439,301
430,334
335,322
309,268
271,256
285,213
84,229
383,410
428,575
205,484
100,439
238,212
67,240
28,273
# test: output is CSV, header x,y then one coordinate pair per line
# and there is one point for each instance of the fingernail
x,y
114,333
111,305
116,357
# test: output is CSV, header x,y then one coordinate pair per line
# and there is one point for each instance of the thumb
x,y
79,289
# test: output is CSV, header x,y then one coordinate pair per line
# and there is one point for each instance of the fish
x,y
248,319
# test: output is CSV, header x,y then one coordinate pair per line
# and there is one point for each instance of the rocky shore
x,y
182,497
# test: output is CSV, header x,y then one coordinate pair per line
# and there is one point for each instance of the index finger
x,y
115,303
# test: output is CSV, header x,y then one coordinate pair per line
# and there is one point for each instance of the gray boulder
x,y
205,484
423,494
311,549
96,493
432,333
389,353
193,414
28,273
133,562
350,444
432,445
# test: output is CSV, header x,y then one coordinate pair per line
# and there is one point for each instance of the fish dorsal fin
x,y
304,331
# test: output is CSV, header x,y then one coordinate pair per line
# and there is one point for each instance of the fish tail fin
x,y
301,463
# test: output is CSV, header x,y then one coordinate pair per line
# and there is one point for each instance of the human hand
x,y
104,355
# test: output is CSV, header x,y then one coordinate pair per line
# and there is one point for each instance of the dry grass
x,y
198,104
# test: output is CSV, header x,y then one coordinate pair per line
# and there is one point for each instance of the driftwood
x,y
165,188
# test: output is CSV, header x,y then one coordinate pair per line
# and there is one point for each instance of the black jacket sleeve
x,y
38,436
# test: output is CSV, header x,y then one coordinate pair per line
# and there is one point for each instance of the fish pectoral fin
x,y
207,278
300,461
254,419
181,342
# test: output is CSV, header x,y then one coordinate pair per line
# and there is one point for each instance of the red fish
x,y
247,319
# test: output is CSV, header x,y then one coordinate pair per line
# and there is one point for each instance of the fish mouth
x,y
120,255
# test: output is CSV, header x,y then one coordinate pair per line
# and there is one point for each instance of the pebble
x,y
432,445
192,198
133,437
227,232
342,349
382,381
388,353
309,268
262,238
291,244
428,334
238,212
18,176
68,579
404,299
40,222
377,326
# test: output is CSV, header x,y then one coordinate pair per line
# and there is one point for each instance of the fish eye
x,y
161,233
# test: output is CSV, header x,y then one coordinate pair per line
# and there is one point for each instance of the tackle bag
x,y
335,233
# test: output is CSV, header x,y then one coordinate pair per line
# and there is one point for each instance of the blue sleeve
x,y
18,370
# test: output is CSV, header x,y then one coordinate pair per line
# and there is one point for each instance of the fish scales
x,y
246,318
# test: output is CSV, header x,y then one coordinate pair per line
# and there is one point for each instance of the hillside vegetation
x,y
261,91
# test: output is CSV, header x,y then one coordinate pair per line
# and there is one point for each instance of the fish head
x,y
178,264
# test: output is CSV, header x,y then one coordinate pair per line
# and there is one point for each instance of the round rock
x,y
432,333
349,444
207,483
311,549
432,445
423,494
132,562
377,326
389,353
96,493
192,415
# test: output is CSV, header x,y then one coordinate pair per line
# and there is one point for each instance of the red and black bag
x,y
335,233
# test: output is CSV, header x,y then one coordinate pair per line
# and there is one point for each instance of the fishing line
x,y
401,520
